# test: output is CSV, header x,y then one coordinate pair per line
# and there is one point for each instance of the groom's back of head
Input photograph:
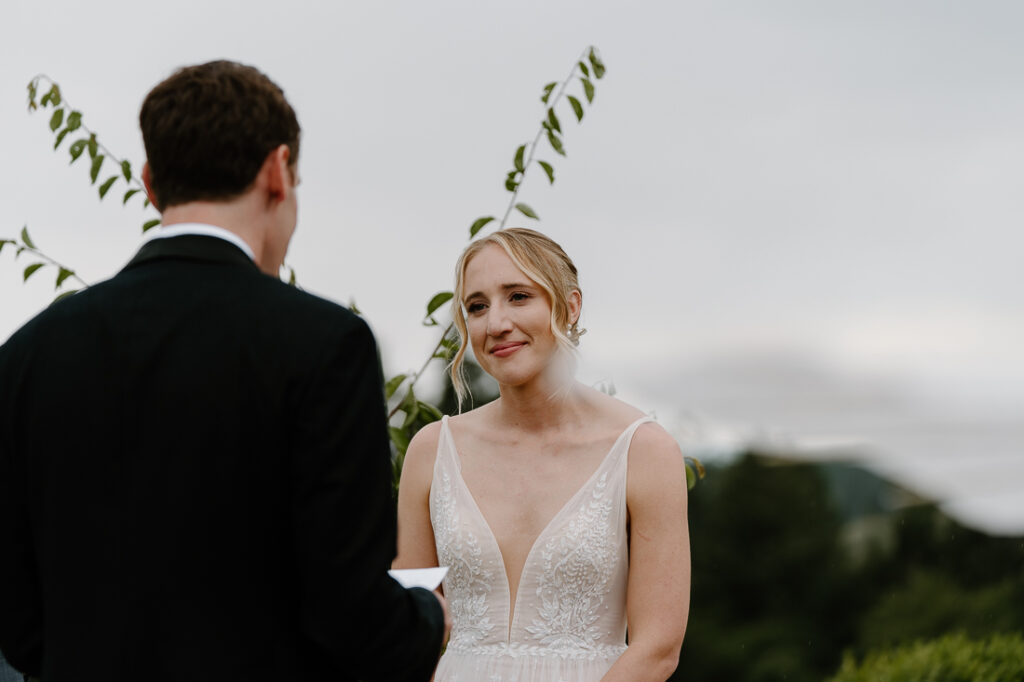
x,y
208,128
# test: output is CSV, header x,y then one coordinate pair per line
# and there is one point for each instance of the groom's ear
x,y
147,182
276,174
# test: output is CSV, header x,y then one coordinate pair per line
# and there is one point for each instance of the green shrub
x,y
951,658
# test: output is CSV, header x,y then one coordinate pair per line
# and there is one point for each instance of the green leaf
x,y
584,69
549,169
510,181
696,463
431,412
64,294
74,120
25,238
60,137
55,94
32,94
596,62
438,300
105,187
63,275
527,211
291,277
478,225
5,242
576,107
354,308
553,120
588,89
399,438
556,143
519,158
57,119
411,407
97,163
150,224
45,100
77,148
94,148
393,384
126,170
30,270
129,194
691,478
547,91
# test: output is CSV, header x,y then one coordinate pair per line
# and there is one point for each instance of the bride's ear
x,y
575,305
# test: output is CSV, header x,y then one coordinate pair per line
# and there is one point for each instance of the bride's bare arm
x,y
658,591
415,533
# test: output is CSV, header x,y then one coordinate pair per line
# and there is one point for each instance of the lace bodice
x,y
569,619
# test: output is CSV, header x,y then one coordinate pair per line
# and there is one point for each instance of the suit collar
x,y
192,247
205,229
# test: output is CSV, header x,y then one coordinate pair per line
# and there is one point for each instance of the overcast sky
x,y
793,220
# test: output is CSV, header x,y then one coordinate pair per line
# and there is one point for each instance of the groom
x,y
194,467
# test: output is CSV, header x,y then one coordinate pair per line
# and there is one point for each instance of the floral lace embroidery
x,y
468,582
516,650
578,565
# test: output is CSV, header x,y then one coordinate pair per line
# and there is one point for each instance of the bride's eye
x,y
518,296
474,308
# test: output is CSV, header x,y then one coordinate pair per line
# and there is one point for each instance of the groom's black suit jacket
x,y
195,484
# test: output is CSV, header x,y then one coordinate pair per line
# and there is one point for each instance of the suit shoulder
x,y
310,309
49,318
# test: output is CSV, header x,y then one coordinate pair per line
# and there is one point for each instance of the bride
x,y
561,511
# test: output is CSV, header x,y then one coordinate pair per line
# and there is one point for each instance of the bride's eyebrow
x,y
517,285
504,287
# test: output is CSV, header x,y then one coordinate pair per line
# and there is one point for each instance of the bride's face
x,y
508,317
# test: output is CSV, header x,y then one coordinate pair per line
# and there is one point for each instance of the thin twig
x,y
86,129
42,255
536,140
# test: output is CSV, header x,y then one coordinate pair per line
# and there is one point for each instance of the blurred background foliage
x,y
952,658
797,564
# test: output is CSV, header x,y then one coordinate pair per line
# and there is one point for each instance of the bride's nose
x,y
498,321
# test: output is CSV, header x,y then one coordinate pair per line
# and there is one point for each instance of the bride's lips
x,y
503,350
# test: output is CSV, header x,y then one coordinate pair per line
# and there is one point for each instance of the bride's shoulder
x,y
472,423
421,453
650,439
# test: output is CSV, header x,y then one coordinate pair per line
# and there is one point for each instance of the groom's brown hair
x,y
208,129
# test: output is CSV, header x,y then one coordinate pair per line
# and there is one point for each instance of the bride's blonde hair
x,y
543,261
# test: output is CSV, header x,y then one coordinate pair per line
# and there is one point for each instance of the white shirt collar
x,y
180,229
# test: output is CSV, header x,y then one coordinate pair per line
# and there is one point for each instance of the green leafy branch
x,y
418,413
64,121
25,244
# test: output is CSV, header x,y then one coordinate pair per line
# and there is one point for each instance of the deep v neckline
x,y
514,607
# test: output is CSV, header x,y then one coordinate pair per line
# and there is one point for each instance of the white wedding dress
x,y
569,620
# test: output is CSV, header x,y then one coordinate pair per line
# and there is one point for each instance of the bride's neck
x,y
537,408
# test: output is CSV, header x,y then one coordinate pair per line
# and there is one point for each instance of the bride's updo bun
x,y
543,261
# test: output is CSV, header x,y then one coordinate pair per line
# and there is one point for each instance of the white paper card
x,y
429,578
